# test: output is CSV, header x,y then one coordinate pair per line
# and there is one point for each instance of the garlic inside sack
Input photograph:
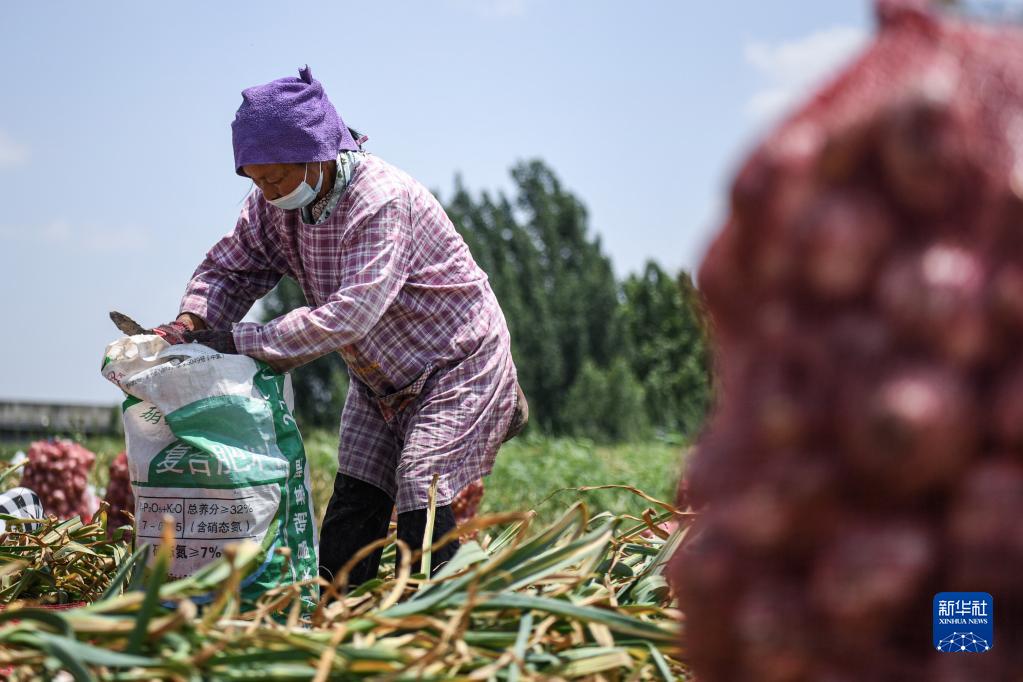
x,y
866,449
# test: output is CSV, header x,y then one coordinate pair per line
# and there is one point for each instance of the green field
x,y
528,474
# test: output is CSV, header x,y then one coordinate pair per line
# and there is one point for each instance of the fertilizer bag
x,y
213,448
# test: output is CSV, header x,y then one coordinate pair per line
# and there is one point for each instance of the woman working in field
x,y
391,286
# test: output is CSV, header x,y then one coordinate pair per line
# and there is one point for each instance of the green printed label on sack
x,y
214,465
214,452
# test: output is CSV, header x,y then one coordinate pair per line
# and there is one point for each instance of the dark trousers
x,y
358,514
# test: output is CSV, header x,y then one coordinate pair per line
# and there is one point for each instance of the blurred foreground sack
x,y
866,453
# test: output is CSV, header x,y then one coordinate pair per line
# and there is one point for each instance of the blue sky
x,y
116,168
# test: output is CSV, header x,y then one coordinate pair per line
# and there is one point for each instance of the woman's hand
x,y
217,339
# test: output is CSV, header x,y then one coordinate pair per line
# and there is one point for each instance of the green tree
x,y
554,283
666,344
607,404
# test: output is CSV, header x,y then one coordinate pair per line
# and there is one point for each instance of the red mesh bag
x,y
466,504
58,471
866,452
119,498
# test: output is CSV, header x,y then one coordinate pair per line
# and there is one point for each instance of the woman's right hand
x,y
174,332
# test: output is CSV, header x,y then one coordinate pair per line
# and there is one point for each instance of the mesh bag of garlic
x,y
866,450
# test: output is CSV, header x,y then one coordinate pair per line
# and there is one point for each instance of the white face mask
x,y
301,196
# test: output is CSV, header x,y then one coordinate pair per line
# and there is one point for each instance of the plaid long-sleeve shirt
x,y
392,287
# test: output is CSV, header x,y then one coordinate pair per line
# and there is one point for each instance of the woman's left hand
x,y
217,339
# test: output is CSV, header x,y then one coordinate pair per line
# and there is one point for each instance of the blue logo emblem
x,y
964,622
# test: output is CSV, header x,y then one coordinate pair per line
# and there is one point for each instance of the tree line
x,y
597,357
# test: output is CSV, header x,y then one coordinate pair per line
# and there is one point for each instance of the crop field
x,y
574,591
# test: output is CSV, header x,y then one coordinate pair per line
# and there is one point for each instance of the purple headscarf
x,y
289,120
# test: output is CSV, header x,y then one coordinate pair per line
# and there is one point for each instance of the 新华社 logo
x,y
964,622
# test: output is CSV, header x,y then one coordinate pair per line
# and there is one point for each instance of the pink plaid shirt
x,y
393,289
